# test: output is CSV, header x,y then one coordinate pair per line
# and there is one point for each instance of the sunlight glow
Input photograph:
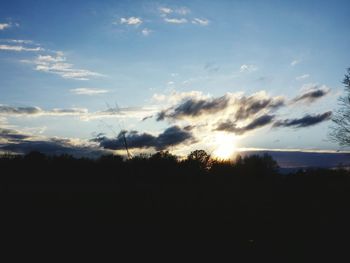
x,y
225,146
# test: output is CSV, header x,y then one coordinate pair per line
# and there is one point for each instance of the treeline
x,y
163,197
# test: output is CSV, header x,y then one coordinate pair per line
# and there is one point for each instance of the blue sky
x,y
71,71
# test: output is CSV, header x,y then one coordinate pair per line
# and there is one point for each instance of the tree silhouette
x,y
340,131
199,159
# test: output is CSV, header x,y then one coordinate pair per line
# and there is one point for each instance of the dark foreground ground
x,y
246,206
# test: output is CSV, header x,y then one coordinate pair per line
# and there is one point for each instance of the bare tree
x,y
340,130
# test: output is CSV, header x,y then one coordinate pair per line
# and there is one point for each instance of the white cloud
x,y
248,68
175,97
131,20
202,22
57,65
295,62
4,26
20,48
183,10
302,77
17,41
8,25
88,91
146,32
165,10
176,20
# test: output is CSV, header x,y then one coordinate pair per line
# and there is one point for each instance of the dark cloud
x,y
19,110
312,95
51,146
195,107
19,143
255,124
253,105
30,110
147,117
307,120
12,135
170,137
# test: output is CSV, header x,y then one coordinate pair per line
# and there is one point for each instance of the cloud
x,y
256,103
58,65
82,113
32,111
8,110
17,142
146,32
180,11
295,62
248,68
175,20
302,77
172,136
17,41
20,48
194,107
165,10
131,20
259,122
306,121
201,22
211,67
88,91
312,94
183,11
52,146
11,135
4,26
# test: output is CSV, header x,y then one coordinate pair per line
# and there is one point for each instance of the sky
x,y
224,76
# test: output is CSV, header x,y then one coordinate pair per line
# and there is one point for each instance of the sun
x,y
225,146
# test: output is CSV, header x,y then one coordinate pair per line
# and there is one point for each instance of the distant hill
x,y
298,159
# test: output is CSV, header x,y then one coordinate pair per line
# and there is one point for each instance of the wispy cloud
x,y
18,41
259,122
202,22
175,20
248,68
58,65
302,77
165,10
306,121
36,111
88,91
20,48
194,107
247,107
180,11
83,113
146,32
312,94
295,62
135,21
